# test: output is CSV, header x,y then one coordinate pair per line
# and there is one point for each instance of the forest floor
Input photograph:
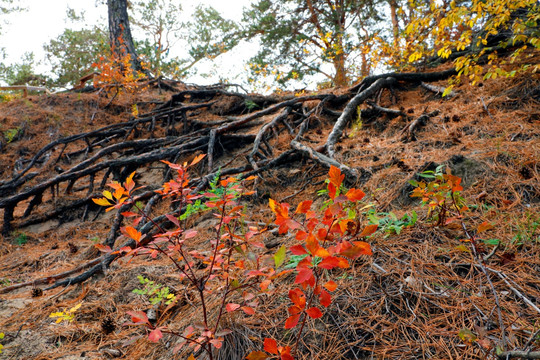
x,y
422,294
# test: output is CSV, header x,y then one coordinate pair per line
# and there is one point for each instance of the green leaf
x,y
467,335
279,257
493,242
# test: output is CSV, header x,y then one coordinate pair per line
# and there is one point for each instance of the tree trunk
x,y
395,23
340,79
120,33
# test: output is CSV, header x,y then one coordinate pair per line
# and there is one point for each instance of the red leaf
x,y
286,356
103,248
270,345
248,310
231,307
368,230
324,298
295,309
314,313
297,297
304,207
173,219
332,191
355,195
330,262
304,274
298,250
216,342
155,335
138,317
190,233
292,321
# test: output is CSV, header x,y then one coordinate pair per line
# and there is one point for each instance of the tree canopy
x,y
299,38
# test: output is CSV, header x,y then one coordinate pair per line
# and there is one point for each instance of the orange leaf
x,y
270,345
256,355
354,251
197,159
368,230
332,191
133,233
314,313
248,310
330,285
355,195
484,226
129,183
336,178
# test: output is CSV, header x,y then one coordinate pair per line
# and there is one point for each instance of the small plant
x,y
389,222
115,74
250,104
198,206
230,267
441,194
20,238
12,135
1,346
66,315
156,292
329,238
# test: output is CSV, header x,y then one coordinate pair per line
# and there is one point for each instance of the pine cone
x,y
108,325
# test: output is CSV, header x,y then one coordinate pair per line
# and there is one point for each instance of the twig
x,y
519,354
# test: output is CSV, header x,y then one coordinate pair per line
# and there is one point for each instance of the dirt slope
x,y
409,300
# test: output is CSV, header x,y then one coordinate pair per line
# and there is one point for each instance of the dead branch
x,y
350,110
350,173
409,130
406,77
519,354
386,110
438,90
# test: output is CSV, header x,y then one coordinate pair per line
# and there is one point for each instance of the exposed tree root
x,y
174,130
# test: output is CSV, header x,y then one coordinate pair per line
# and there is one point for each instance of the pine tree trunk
x,y
340,79
120,32
395,23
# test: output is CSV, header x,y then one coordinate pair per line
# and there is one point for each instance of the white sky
x,y
46,19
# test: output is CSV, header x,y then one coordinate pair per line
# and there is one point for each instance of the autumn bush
x,y
234,268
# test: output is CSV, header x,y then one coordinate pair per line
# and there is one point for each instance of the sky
x,y
46,19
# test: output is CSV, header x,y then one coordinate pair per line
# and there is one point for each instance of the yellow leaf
x,y
107,194
102,202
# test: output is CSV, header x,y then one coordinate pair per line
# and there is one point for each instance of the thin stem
x,y
304,320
